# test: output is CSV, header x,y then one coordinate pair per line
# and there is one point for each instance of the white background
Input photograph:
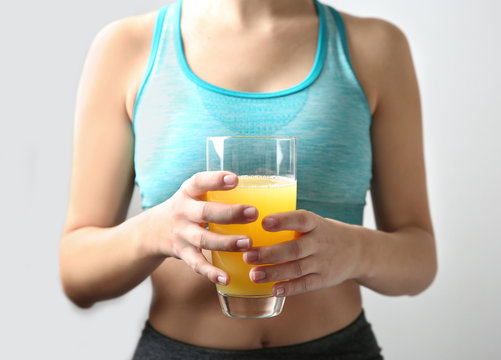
x,y
457,52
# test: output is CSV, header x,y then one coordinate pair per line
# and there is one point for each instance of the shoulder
x,y
117,58
128,35
376,48
376,35
373,27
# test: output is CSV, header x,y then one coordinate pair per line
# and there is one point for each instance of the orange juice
x,y
269,194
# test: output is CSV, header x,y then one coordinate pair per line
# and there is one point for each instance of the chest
x,y
326,111
262,59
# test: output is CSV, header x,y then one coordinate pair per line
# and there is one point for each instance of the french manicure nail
x,y
243,244
269,223
258,275
280,291
251,255
229,179
250,212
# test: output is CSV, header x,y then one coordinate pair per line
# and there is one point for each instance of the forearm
x,y
103,263
398,263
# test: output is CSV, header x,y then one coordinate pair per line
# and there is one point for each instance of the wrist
x,y
145,234
367,248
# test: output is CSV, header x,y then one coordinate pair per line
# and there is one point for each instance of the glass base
x,y
257,307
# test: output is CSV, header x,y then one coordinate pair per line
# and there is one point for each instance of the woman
x,y
154,86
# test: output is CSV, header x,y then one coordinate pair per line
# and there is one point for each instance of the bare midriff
x,y
185,307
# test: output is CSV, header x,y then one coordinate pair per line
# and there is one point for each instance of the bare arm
x,y
102,255
399,258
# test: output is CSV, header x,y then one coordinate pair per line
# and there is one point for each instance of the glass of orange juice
x,y
266,169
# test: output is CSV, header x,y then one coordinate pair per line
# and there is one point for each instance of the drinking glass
x,y
266,170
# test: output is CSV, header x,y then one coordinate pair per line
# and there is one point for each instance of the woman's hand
x,y
325,254
179,223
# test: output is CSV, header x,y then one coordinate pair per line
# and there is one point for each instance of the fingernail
x,y
269,223
280,291
250,212
258,275
251,256
221,280
230,180
243,244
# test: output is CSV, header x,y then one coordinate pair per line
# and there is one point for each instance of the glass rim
x,y
245,140
252,137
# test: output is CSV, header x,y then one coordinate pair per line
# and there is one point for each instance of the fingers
x,y
205,239
301,277
195,259
200,183
208,212
196,211
302,285
280,253
299,220
288,271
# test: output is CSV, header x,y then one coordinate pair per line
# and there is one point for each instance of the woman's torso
x,y
185,305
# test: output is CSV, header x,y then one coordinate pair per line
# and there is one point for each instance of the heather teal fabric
x,y
327,112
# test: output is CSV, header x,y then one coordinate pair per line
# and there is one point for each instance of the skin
x,y
257,46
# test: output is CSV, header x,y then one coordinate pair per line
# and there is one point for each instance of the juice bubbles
x,y
269,194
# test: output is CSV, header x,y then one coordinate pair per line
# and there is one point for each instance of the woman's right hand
x,y
180,223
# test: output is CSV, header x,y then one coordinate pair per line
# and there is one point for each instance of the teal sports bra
x,y
327,112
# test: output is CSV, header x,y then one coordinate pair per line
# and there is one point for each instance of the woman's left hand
x,y
326,253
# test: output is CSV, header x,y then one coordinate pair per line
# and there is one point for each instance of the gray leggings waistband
x,y
354,342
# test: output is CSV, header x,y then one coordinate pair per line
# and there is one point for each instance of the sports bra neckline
x,y
310,78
